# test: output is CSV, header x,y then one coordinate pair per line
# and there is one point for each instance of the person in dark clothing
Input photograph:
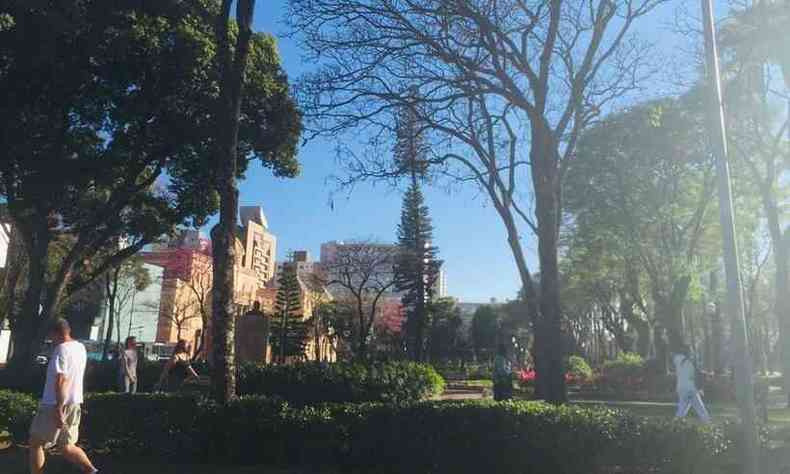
x,y
503,375
178,369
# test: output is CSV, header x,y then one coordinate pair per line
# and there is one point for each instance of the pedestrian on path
x,y
503,375
178,369
688,394
128,366
57,419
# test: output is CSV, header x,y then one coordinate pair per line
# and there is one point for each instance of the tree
x,y
752,45
248,70
444,334
319,322
87,131
359,276
416,267
646,181
333,319
121,283
15,265
484,331
289,337
83,161
502,86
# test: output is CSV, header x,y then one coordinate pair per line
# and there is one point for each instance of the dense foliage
x,y
311,383
289,330
299,384
438,437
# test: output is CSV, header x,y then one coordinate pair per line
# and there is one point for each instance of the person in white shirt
x,y
57,419
688,393
128,366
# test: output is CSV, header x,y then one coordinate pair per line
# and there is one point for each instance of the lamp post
x,y
718,141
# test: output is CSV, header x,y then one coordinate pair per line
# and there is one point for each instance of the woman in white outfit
x,y
688,393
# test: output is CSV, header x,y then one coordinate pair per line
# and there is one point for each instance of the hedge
x,y
16,413
426,437
312,383
299,384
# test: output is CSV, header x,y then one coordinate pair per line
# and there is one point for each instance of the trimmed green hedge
x,y
311,383
427,437
299,384
16,413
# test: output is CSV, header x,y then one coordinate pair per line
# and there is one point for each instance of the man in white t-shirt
x,y
688,393
57,419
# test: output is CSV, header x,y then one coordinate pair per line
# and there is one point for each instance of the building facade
x,y
187,279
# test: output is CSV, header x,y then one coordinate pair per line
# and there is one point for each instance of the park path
x,y
462,392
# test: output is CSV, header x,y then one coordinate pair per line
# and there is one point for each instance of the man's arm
x,y
61,388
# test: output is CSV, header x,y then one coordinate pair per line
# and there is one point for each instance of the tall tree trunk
x,y
643,337
15,260
112,293
716,326
232,64
546,182
662,352
26,325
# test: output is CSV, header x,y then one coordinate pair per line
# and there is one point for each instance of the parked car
x,y
43,356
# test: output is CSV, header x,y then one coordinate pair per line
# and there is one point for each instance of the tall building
x,y
188,276
259,246
440,287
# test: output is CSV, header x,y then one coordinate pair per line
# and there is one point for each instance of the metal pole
x,y
718,140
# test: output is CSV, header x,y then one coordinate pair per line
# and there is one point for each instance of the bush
x,y
16,413
312,383
437,437
578,370
624,375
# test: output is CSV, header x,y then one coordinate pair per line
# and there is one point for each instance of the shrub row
x,y
426,437
299,384
312,383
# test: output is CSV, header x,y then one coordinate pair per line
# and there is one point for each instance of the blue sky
x,y
472,242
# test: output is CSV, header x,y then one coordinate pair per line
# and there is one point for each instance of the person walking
x,y
503,375
128,366
688,394
57,419
178,369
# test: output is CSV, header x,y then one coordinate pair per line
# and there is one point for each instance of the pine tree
x,y
417,266
289,336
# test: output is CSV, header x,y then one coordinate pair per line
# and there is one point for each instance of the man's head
x,y
131,342
59,330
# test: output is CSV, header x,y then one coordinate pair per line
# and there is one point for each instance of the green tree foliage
x,y
99,98
290,332
484,331
416,264
645,187
416,267
445,337
757,71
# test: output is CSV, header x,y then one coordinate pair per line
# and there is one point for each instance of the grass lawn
x,y
14,461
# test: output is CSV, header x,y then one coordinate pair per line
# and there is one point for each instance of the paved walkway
x,y
461,392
